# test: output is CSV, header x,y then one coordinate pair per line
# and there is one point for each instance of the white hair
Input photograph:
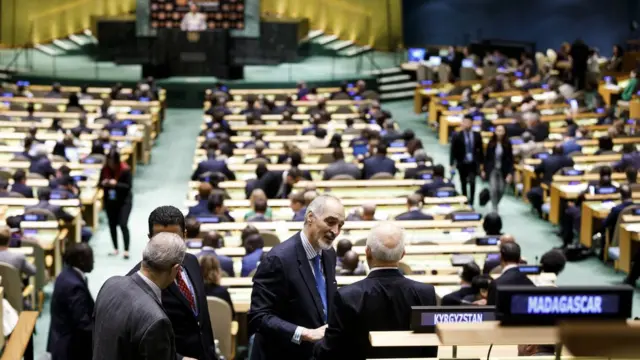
x,y
318,204
386,242
163,251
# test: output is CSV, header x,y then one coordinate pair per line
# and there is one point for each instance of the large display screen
x,y
221,14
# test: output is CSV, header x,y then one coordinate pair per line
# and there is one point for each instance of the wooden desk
x,y
593,210
629,237
20,344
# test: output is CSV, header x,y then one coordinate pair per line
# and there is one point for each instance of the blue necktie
x,y
320,284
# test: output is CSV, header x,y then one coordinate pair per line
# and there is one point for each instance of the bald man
x,y
492,264
389,298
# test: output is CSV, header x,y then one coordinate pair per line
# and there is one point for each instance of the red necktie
x,y
184,289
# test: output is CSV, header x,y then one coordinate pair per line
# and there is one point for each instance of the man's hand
x,y
313,335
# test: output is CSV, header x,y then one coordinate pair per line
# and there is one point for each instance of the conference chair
x,y
15,195
404,268
224,328
382,176
270,238
40,278
612,243
342,177
19,157
13,287
370,95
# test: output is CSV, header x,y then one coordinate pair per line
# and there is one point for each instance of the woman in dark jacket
x,y
116,181
498,165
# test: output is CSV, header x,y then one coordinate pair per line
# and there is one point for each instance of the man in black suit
x,y
294,285
20,184
212,165
493,265
437,182
184,300
44,195
380,302
340,167
40,164
469,271
547,168
414,202
511,275
466,155
279,184
70,331
537,128
378,163
421,166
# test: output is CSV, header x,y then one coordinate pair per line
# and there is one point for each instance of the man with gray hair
x,y
380,302
130,322
294,285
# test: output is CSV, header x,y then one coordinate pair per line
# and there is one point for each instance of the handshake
x,y
313,335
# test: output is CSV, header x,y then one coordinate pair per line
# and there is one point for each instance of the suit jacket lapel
x,y
307,276
143,285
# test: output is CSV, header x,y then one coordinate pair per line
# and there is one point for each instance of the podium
x,y
187,53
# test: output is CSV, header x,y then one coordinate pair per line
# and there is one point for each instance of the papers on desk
x,y
573,188
608,205
635,227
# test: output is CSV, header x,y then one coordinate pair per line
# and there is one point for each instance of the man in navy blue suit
x,y
212,165
202,207
253,245
357,308
40,164
210,243
438,181
415,212
70,332
611,220
378,163
20,184
294,286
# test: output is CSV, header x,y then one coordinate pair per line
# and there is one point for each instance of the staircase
x,y
394,84
330,45
73,45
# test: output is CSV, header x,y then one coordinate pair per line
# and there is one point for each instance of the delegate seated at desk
x,y
548,167
469,272
44,195
509,259
15,259
438,182
193,20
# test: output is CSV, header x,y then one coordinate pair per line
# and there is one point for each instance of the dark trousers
x,y
118,215
536,198
634,273
569,221
468,174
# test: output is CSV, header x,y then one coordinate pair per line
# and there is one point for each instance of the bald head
x,y
368,212
385,245
507,238
350,261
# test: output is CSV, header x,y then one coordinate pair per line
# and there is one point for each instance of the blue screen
x,y
135,112
573,172
541,156
445,193
426,176
565,304
466,217
516,141
117,132
8,94
360,149
29,231
208,219
606,190
416,54
529,269
33,217
435,318
493,256
490,240
144,99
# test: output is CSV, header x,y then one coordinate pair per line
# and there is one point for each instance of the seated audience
x,y
15,259
630,158
44,195
479,290
216,208
210,242
469,272
547,168
421,166
350,265
538,129
212,274
509,260
553,261
20,184
253,245
438,182
378,163
342,247
212,165
40,164
340,167
260,210
298,206
492,224
246,232
365,213
192,229
4,188
259,155
414,205
356,308
279,184
202,207
257,194
631,88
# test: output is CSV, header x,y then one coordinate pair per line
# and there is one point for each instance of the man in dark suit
x,y
294,285
421,166
537,128
253,245
209,244
492,265
414,202
20,184
212,165
340,167
130,322
44,195
278,184
630,158
466,154
201,208
511,275
437,182
298,205
469,271
378,163
389,133
184,300
611,220
41,164
72,307
547,168
356,309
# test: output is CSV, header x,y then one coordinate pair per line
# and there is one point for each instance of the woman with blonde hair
x,y
211,274
257,194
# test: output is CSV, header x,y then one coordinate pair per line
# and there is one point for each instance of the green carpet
x,y
164,181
